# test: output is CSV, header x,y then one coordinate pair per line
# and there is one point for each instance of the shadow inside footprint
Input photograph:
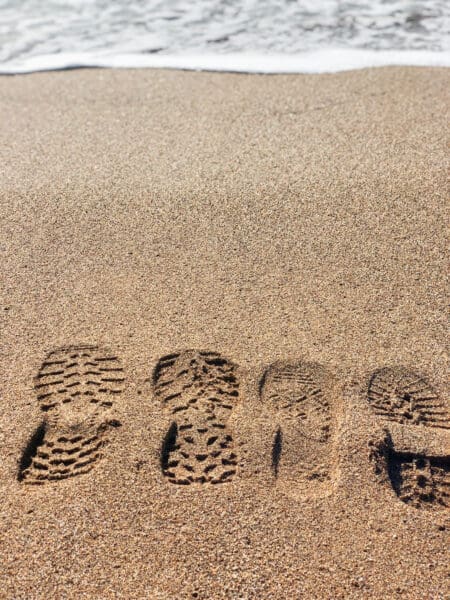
x,y
168,446
31,449
277,449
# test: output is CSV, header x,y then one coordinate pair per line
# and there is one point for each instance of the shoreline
x,y
324,61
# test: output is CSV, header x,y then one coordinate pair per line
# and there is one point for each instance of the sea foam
x,y
274,36
317,61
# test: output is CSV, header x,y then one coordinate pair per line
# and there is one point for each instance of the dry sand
x,y
290,219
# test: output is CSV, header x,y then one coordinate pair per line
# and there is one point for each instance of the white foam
x,y
274,36
318,61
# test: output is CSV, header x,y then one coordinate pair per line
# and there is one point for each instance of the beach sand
x,y
293,221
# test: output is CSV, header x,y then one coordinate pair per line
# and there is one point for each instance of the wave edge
x,y
329,60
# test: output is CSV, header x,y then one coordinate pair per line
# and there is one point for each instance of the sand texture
x,y
223,335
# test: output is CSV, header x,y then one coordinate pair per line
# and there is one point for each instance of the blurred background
x,y
60,33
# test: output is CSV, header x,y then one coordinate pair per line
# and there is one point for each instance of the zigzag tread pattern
x,y
75,388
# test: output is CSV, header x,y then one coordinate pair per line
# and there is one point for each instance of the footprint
x,y
420,479
75,388
301,398
403,396
198,389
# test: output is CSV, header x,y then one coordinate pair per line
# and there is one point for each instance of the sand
x,y
231,223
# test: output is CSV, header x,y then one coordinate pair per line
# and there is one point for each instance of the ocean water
x,y
235,35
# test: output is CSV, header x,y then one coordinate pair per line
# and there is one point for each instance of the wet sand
x,y
294,221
